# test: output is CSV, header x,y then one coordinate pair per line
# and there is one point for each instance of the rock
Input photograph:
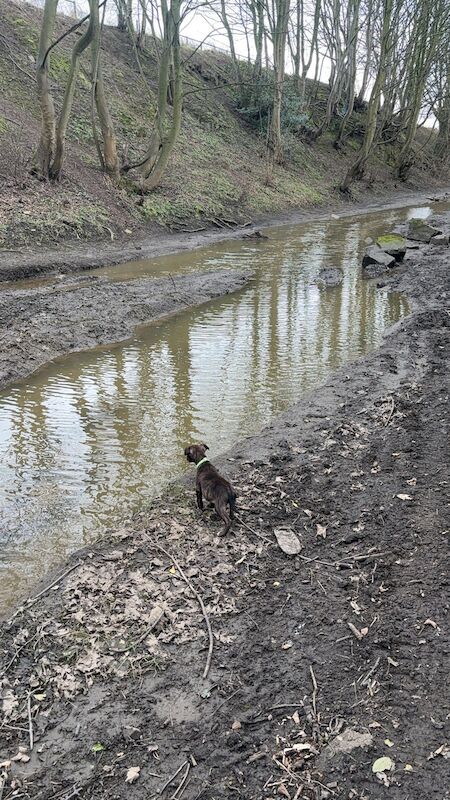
x,y
441,240
255,235
330,276
421,231
287,541
342,744
375,261
394,245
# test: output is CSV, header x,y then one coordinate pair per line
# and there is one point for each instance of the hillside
x,y
217,170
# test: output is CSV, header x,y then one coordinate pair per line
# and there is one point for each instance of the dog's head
x,y
195,452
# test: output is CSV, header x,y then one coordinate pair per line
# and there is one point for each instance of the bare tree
x,y
46,147
278,19
356,171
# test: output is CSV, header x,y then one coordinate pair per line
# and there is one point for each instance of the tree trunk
x,y
356,171
83,42
163,141
46,146
353,25
279,36
110,158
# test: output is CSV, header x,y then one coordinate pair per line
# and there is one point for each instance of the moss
x,y
27,33
391,240
59,65
80,129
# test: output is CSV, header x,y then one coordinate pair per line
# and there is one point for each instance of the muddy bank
x,y
322,662
76,258
54,320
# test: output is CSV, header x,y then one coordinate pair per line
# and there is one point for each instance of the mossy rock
x,y
393,244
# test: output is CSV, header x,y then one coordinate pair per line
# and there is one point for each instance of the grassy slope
x,y
218,167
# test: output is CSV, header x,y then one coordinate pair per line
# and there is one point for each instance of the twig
x,y
139,640
172,778
314,694
255,533
223,703
179,790
390,413
19,650
30,721
34,600
202,606
364,681
285,705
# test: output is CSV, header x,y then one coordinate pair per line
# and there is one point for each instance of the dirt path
x,y
25,264
343,647
41,325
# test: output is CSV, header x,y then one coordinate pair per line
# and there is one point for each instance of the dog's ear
x,y
205,446
187,451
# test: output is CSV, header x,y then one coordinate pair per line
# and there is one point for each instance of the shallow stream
x,y
92,437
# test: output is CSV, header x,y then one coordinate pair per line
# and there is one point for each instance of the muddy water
x,y
91,438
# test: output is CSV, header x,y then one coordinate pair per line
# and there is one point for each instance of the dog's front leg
x,y
198,492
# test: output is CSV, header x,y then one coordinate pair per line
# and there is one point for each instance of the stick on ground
x,y
201,603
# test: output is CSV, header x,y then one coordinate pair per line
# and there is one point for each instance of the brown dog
x,y
211,486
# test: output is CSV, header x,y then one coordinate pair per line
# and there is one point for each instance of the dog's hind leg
x,y
198,492
222,511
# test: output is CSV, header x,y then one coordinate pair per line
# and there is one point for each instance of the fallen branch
x,y
314,694
34,600
172,778
179,790
201,603
255,533
140,639
30,721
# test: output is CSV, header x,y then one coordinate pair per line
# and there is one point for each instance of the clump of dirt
x,y
322,663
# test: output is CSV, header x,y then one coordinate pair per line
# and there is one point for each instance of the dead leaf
x,y
392,662
296,718
443,750
404,496
283,791
408,768
431,622
287,541
412,482
321,531
132,774
374,725
359,634
383,764
287,645
308,512
21,756
236,726
10,702
389,743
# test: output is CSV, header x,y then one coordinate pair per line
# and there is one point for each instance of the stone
x,y
330,276
393,245
440,240
342,744
421,231
375,261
